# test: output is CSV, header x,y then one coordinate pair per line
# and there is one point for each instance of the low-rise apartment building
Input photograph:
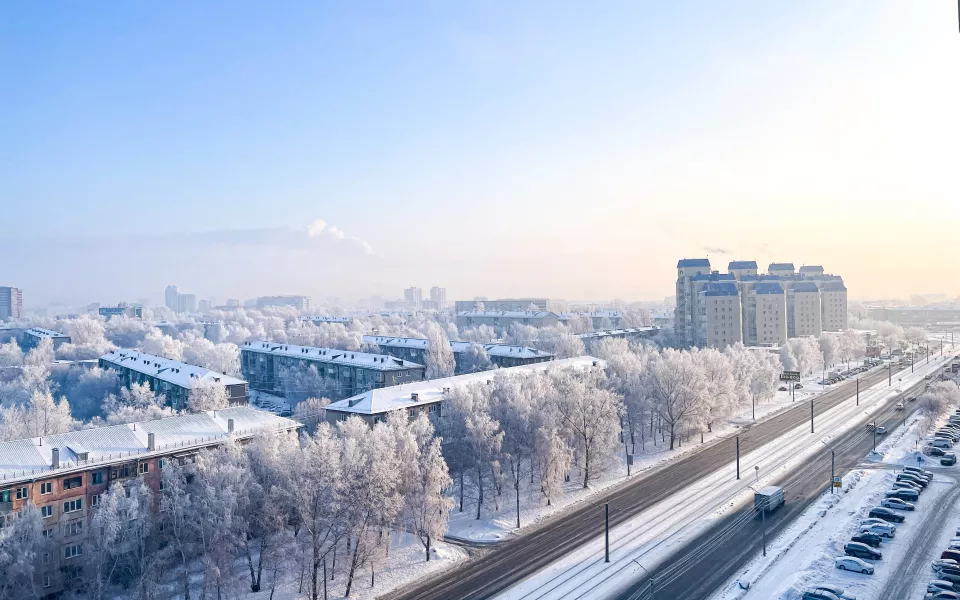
x,y
64,475
507,304
33,336
298,302
415,350
172,378
503,319
348,372
375,406
632,334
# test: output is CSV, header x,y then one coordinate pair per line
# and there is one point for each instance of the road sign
x,y
837,482
790,376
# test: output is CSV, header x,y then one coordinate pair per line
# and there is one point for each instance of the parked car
x,y
899,406
948,459
852,563
945,562
862,551
886,514
939,585
837,591
813,594
933,450
897,504
954,554
951,576
941,443
871,539
942,595
911,398
798,386
922,481
782,388
903,494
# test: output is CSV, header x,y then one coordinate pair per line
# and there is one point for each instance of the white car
x,y
897,503
939,585
885,530
851,563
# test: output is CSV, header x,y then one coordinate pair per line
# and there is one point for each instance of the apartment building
x,y
415,350
608,318
171,297
413,297
503,304
375,406
172,378
814,301
108,312
33,336
438,296
298,302
720,313
11,303
501,320
633,334
187,303
263,365
770,313
803,309
65,475
316,320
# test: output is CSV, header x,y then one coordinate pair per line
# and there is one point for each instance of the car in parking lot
x,y
871,539
939,585
852,563
799,385
836,590
903,494
954,554
941,443
861,551
896,504
933,450
885,530
886,514
905,476
782,388
941,595
814,594
942,563
948,459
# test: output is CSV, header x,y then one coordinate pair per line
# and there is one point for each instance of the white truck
x,y
768,498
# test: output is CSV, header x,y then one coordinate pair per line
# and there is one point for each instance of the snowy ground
x,y
802,555
497,524
658,532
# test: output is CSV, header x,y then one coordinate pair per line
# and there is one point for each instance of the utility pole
x,y
858,391
763,518
738,457
889,375
606,532
811,415
874,436
833,472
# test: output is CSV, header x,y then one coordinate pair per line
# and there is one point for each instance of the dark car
x,y
933,451
862,551
871,539
922,481
954,554
903,494
949,459
886,514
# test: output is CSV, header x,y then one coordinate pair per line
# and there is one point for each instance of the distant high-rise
x,y
187,303
298,302
11,303
438,296
205,305
172,298
413,296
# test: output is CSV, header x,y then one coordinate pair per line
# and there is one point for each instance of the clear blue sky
x,y
452,136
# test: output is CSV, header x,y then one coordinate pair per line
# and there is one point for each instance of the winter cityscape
x,y
623,302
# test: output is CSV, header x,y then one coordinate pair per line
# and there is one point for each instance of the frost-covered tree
x,y
87,339
22,547
720,393
829,348
300,383
311,412
41,355
474,359
677,387
223,358
10,354
763,380
439,357
852,345
121,549
481,334
158,343
87,388
207,396
590,416
126,332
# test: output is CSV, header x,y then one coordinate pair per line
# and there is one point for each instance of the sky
x,y
563,149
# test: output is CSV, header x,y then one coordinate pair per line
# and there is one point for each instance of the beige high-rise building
x,y
720,312
803,308
834,305
770,313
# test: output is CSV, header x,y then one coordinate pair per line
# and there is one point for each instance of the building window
x,y
160,464
73,550
73,482
21,493
46,487
95,499
46,511
143,468
47,533
97,478
46,581
75,528
73,505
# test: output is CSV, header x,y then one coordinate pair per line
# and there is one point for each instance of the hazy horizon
x,y
494,150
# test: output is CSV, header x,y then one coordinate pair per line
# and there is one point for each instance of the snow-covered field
x,y
654,535
802,555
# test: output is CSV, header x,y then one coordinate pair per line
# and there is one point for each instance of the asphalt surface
x,y
917,562
712,559
499,568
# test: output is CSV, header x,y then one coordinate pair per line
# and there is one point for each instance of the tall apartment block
x,y
413,296
11,303
438,296
773,306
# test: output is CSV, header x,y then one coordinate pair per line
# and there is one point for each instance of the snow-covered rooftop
x,y
386,341
693,262
164,369
46,333
398,397
742,264
323,319
617,332
379,362
510,314
29,458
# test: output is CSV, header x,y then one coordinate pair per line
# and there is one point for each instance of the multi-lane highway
x,y
719,553
500,568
